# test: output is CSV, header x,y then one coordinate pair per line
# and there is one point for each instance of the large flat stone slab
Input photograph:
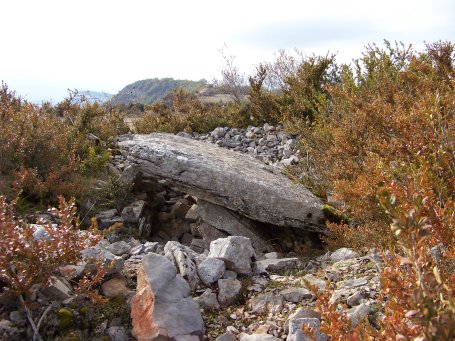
x,y
226,178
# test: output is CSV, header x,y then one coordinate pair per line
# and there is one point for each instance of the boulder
x,y
57,290
296,333
229,291
185,260
211,270
226,178
235,251
92,255
119,248
296,295
161,307
208,300
133,212
343,254
267,302
114,287
276,265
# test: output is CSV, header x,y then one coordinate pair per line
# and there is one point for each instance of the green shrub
x,y
49,151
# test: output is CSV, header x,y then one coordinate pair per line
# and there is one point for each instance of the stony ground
x,y
242,289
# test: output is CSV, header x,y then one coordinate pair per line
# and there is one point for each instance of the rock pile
x,y
269,144
220,293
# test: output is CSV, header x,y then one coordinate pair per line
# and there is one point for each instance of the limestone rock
x,y
162,307
210,233
232,180
114,287
258,337
191,214
142,309
57,290
353,283
150,247
108,218
133,212
296,295
226,337
110,261
315,281
208,300
296,333
267,302
235,251
229,290
354,299
211,270
274,265
117,333
40,231
358,313
185,260
343,254
180,321
119,248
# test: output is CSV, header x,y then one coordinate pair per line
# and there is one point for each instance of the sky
x,y
50,46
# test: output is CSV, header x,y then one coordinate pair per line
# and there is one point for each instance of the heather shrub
x,y
390,122
293,90
51,150
416,287
26,260
182,111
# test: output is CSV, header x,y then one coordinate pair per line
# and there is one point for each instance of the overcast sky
x,y
48,46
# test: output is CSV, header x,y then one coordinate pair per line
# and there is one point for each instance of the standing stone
x,y
162,307
235,251
231,223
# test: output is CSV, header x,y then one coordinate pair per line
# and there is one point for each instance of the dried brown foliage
x,y
417,289
184,112
45,151
391,122
26,260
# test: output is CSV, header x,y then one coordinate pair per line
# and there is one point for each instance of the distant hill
x,y
150,90
95,96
